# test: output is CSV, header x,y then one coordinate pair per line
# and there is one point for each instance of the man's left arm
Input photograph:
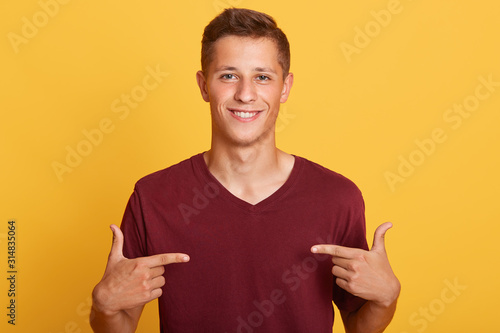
x,y
366,274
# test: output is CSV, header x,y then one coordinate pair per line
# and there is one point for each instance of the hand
x,y
366,274
130,283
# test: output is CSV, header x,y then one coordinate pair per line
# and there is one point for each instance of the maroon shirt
x,y
251,269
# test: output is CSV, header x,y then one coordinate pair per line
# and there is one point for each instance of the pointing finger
x,y
336,250
379,237
166,259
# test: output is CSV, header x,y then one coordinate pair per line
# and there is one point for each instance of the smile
x,y
245,115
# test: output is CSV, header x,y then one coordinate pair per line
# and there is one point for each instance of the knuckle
x,y
354,280
146,275
352,266
360,258
137,265
145,286
164,260
351,284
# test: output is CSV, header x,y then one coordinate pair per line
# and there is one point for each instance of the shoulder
x,y
176,173
321,177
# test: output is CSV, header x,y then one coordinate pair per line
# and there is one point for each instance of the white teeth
x,y
245,114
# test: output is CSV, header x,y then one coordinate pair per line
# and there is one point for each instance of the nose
x,y
245,91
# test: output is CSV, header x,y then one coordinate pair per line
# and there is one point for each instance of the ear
x,y
202,83
287,86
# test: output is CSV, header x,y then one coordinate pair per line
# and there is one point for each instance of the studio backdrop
x,y
400,96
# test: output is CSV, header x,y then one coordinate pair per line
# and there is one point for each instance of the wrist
x,y
391,296
100,302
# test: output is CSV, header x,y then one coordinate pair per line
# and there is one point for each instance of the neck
x,y
229,162
250,172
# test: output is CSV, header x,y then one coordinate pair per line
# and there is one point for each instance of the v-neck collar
x,y
201,166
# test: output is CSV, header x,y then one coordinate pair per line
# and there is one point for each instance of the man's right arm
x,y
126,286
123,321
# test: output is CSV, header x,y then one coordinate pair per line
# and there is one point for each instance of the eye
x,y
227,76
263,78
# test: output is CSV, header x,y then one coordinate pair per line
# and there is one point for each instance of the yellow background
x,y
356,114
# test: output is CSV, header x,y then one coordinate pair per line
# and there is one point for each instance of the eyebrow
x,y
256,69
264,69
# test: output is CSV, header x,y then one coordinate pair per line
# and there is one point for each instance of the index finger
x,y
336,250
165,259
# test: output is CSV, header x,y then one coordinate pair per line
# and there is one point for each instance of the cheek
x,y
218,101
273,98
219,88
272,93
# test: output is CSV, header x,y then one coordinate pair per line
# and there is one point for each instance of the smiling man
x,y
266,240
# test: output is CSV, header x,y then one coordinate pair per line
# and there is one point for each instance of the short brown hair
x,y
245,23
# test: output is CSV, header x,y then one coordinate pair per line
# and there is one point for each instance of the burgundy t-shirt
x,y
251,269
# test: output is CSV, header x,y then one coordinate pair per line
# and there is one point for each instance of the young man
x,y
256,230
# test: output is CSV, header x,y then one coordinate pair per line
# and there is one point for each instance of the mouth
x,y
244,115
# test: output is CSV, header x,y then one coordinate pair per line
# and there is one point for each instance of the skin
x,y
244,76
127,285
369,275
235,81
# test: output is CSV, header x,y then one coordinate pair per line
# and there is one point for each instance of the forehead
x,y
245,51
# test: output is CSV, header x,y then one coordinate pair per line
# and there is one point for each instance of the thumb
x,y
117,246
379,237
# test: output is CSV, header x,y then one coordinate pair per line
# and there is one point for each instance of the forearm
x,y
119,322
372,317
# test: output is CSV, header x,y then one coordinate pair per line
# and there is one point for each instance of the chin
x,y
239,142
250,140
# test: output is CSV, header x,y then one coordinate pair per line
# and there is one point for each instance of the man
x,y
256,230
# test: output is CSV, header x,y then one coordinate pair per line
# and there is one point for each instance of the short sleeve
x,y
354,236
133,228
